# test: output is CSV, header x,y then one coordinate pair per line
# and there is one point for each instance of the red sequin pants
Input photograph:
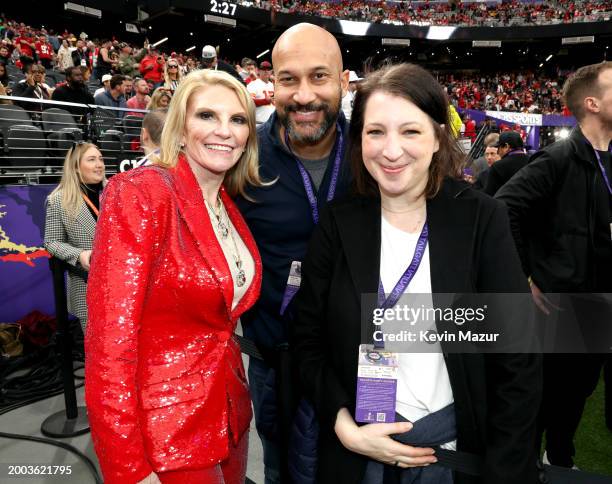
x,y
231,471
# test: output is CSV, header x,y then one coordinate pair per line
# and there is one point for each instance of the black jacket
x,y
69,94
559,211
280,219
496,396
502,170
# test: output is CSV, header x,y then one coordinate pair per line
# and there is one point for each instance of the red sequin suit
x,y
166,388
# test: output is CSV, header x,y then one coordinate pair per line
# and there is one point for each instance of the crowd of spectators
x,y
425,12
109,72
523,91
106,72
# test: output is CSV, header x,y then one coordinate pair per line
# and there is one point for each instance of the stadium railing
x,y
35,135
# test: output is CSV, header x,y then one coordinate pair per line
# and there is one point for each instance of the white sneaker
x,y
547,462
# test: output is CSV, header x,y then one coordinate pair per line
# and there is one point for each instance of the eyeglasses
x,y
172,67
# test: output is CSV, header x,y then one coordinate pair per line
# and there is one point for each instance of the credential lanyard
x,y
310,193
91,205
407,276
602,168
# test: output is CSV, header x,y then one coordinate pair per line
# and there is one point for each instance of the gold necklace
x,y
402,211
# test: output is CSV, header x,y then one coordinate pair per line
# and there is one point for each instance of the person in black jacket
x,y
34,87
301,147
560,216
74,91
409,199
513,157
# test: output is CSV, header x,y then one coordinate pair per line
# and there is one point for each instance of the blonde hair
x,y
179,74
246,170
71,185
156,97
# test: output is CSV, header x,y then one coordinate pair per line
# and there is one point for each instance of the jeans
x,y
257,373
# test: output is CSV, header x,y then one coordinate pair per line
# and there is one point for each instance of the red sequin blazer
x,y
166,387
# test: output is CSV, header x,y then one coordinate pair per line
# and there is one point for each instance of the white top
x,y
423,386
258,89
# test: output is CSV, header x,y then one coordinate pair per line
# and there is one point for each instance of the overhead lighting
x,y
549,57
160,42
263,53
440,32
564,133
542,64
190,48
350,27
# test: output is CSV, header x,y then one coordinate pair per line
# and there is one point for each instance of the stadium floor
x,y
27,421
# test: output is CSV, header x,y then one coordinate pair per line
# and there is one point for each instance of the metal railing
x,y
35,135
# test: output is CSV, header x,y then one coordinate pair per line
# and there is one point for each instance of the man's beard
x,y
330,115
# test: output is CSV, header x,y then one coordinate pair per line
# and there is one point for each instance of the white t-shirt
x,y
423,385
258,89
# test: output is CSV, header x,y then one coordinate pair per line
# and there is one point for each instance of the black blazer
x,y
497,396
502,170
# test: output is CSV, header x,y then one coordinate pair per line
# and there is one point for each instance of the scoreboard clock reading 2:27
x,y
222,8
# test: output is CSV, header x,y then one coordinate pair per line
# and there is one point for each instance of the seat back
x,y
25,145
56,119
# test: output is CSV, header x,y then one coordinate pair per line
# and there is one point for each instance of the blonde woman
x,y
173,74
174,267
72,214
160,99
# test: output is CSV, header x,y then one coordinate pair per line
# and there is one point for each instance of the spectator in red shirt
x,y
26,46
470,128
141,99
44,51
152,67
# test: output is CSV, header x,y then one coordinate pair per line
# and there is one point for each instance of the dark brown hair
x,y
581,84
418,86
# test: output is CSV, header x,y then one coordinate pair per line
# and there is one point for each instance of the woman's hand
x,y
540,299
84,258
374,441
150,479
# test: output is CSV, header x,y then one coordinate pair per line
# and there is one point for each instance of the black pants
x,y
569,379
584,327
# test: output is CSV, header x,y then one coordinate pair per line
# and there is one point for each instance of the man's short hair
x,y
153,122
70,70
248,62
581,84
491,139
116,80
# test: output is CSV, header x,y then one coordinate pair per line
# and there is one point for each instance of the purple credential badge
x,y
376,385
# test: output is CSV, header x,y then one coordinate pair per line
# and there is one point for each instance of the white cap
x,y
353,77
106,77
209,52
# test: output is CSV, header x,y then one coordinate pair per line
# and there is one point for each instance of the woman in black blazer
x,y
405,165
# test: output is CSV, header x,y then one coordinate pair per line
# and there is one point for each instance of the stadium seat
x,y
112,144
61,131
103,120
24,145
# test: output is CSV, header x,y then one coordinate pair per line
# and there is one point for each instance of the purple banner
x,y
547,119
25,278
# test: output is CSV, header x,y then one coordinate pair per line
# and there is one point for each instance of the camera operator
x,y
33,86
